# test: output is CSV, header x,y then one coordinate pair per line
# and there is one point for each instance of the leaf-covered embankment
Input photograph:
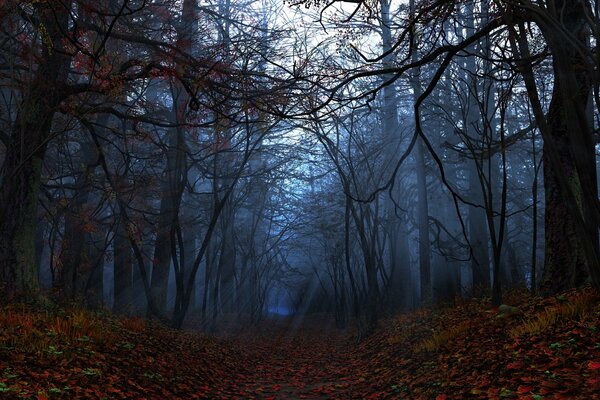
x,y
534,349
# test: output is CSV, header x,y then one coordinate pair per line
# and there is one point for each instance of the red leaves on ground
x,y
122,359
524,389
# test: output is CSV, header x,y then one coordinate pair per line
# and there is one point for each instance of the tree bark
x,y
571,250
25,152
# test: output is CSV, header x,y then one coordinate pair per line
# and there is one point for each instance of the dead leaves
x,y
474,357
485,362
130,363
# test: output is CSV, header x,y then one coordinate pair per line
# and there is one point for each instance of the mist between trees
x,y
204,158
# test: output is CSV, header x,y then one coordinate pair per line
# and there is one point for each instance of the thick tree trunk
x,y
423,211
534,217
571,229
565,263
25,151
139,300
40,242
400,286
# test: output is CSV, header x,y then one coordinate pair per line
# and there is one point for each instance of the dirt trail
x,y
462,352
284,361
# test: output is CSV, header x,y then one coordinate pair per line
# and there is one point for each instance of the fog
x,y
199,162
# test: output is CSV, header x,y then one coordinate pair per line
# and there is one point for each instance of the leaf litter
x,y
545,349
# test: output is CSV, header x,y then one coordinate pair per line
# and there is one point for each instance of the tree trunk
x,y
173,175
571,229
161,262
123,263
422,206
478,231
25,152
169,205
423,211
226,267
565,263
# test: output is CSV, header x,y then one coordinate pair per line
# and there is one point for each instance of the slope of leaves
x,y
484,357
538,349
75,354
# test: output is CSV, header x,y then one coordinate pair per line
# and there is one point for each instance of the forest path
x,y
461,352
287,361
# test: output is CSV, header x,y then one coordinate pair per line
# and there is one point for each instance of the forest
x,y
287,199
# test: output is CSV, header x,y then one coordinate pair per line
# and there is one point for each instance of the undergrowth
x,y
568,309
441,338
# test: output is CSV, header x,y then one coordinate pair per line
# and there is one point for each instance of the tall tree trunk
x,y
572,209
423,211
189,245
572,252
422,207
172,189
41,231
25,152
478,233
401,296
565,262
534,215
399,265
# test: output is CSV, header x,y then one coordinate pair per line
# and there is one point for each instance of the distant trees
x,y
84,86
500,36
206,157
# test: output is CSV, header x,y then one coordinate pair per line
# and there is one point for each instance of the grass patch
x,y
441,338
575,308
134,324
34,331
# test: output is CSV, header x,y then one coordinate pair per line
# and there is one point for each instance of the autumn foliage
x,y
550,349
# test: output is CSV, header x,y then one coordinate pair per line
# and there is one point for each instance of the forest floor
x,y
539,349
